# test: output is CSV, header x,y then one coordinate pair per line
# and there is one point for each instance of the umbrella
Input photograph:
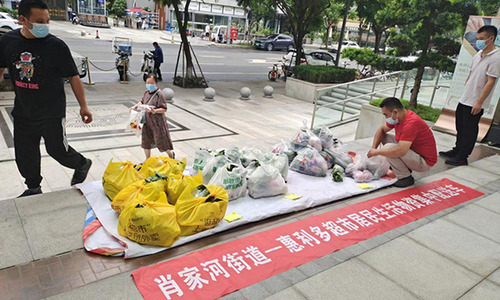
x,y
137,10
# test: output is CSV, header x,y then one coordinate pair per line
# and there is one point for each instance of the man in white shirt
x,y
485,69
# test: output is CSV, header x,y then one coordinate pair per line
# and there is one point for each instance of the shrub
x,y
425,112
324,74
6,85
193,82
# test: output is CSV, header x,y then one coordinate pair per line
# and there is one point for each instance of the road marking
x,y
258,61
213,64
211,56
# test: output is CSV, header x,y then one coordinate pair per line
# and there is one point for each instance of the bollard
x,y
169,95
268,91
124,62
245,93
97,34
209,94
88,72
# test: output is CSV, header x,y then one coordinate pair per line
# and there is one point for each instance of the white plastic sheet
x,y
314,191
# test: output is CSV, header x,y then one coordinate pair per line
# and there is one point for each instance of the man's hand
x,y
86,115
372,152
476,108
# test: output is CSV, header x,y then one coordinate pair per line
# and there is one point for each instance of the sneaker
x,y
30,192
454,161
80,174
404,182
448,154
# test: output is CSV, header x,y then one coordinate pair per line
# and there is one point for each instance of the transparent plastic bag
x,y
301,139
232,177
309,162
247,155
341,156
279,161
215,162
266,181
362,176
378,166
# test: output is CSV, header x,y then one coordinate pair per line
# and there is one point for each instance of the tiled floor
x,y
76,274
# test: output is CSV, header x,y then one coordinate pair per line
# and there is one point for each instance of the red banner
x,y
216,271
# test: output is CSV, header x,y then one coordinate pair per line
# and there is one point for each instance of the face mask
x,y
480,44
392,121
150,87
39,30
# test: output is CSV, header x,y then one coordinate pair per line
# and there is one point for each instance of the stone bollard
x,y
169,95
209,94
268,91
245,93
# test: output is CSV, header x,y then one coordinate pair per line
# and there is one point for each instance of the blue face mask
x,y
150,87
39,30
480,44
392,121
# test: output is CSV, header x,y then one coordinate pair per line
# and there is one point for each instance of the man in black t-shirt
x,y
38,62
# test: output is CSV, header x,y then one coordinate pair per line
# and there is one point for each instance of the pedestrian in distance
x,y
484,71
144,24
38,63
155,133
412,148
158,57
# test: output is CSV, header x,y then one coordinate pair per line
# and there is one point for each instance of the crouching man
x,y
413,148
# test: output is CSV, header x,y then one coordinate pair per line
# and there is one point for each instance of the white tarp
x,y
314,191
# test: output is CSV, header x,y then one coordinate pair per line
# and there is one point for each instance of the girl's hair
x,y
151,75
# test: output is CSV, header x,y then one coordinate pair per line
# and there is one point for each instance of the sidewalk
x,y
447,255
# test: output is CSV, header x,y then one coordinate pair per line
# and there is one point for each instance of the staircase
x,y
333,99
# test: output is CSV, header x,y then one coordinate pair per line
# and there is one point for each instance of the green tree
x,y
189,70
426,22
303,16
381,15
257,11
331,17
118,8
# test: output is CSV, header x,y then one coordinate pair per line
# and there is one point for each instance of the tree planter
x,y
303,90
370,120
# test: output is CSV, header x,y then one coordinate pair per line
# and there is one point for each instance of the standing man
x,y
38,62
485,69
158,56
412,149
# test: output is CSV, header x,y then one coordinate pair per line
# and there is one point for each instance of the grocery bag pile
x,y
157,204
314,152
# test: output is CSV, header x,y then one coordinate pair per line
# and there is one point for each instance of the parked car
x,y
8,22
219,34
79,60
275,42
345,44
313,58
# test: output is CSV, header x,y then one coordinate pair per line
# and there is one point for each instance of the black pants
x,y
467,126
156,70
27,135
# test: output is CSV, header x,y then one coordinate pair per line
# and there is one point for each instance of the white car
x,y
345,44
8,22
313,58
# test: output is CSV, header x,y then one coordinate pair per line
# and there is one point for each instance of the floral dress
x,y
155,132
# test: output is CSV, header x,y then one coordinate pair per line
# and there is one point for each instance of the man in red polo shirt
x,y
412,149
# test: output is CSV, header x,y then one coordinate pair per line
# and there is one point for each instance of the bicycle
x,y
277,73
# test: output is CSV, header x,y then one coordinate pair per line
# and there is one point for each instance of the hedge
x,y
425,112
324,74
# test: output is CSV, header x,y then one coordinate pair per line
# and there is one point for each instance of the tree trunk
x,y
416,85
339,48
378,38
360,32
185,49
420,72
299,38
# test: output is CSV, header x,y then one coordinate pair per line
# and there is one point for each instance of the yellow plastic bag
x,y
117,176
178,183
150,223
201,207
140,191
162,165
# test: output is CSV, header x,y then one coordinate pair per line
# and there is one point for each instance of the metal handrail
x,y
361,80
360,96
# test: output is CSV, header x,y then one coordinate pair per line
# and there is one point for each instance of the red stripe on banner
x,y
225,268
